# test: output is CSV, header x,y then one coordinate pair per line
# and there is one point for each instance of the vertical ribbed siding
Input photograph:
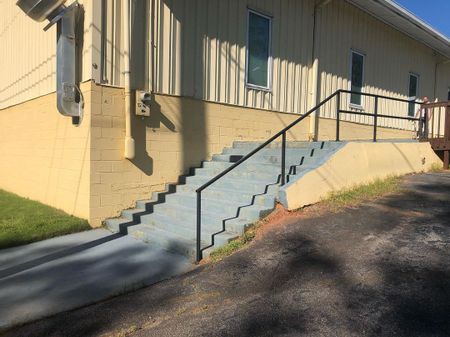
x,y
389,58
28,55
200,51
218,58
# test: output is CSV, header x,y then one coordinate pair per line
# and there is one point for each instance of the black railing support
x,y
375,120
338,110
199,227
283,158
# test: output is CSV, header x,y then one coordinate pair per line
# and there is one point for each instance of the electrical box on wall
x,y
143,102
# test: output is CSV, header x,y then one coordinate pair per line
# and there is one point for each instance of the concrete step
x,y
252,189
211,214
189,198
116,224
277,144
209,224
254,186
176,243
231,204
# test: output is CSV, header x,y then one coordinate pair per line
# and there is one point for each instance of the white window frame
x,y
269,59
417,76
350,104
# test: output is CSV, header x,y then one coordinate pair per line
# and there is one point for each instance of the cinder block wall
x,y
180,133
81,170
44,157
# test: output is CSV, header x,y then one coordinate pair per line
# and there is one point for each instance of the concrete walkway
x,y
68,272
379,269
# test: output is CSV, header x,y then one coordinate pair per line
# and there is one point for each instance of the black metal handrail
x,y
282,133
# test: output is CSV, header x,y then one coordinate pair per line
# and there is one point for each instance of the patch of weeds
x,y
238,243
128,331
357,194
335,201
436,167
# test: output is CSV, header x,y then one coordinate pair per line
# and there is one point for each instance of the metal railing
x,y
282,134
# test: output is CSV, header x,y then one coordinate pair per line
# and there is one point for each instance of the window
x,y
448,94
412,93
357,77
258,50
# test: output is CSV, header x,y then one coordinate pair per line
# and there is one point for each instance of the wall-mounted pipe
x,y
129,141
314,70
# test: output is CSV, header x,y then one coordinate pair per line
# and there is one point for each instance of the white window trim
x,y
269,60
417,76
418,83
350,104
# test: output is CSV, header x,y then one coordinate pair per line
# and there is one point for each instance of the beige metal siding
x,y
389,58
200,51
28,55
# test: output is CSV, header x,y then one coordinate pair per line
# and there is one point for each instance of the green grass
x,y
24,221
334,201
236,244
357,194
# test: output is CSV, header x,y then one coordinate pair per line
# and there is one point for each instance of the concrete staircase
x,y
229,206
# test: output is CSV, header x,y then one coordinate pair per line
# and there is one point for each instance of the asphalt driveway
x,y
378,269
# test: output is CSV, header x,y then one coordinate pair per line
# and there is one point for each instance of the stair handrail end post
x,y
283,158
338,110
375,120
199,227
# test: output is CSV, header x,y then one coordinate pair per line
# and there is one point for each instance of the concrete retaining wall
x,y
358,163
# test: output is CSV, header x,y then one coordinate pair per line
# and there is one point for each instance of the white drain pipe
x,y
314,77
129,141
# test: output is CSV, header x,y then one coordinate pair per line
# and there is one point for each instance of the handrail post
x,y
338,108
199,226
283,158
375,119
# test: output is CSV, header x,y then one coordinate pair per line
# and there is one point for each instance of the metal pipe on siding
x,y
129,141
314,77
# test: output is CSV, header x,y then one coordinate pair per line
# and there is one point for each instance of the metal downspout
x,y
66,70
129,141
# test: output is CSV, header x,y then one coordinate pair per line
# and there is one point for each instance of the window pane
x,y
357,77
258,50
412,93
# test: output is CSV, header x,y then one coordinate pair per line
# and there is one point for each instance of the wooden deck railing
x,y
439,129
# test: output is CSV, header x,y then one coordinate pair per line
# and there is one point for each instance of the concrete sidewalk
x,y
68,272
381,268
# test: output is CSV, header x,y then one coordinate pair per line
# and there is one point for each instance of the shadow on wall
x,y
192,120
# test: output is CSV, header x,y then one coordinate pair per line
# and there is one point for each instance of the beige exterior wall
x,y
198,53
180,134
28,54
369,161
390,56
82,171
44,157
